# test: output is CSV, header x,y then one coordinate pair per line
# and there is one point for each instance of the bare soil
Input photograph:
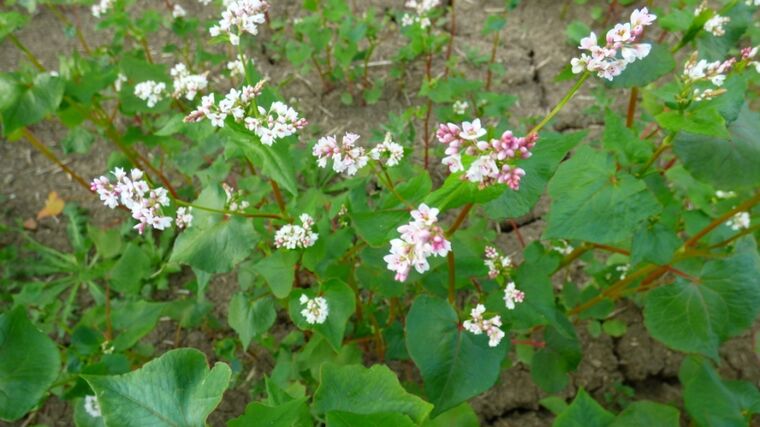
x,y
533,50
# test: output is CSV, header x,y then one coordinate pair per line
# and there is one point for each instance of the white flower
x,y
715,25
472,130
477,325
92,407
150,91
420,239
178,11
237,67
240,16
291,236
184,217
185,83
101,8
496,263
512,295
316,310
120,80
347,157
739,221
394,151
564,249
460,107
279,122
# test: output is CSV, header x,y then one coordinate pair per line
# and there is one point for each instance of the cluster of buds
x,y
292,236
316,309
512,295
237,67
494,159
478,325
748,54
563,248
422,9
186,84
497,264
387,152
133,192
234,200
621,47
347,157
151,92
234,104
184,217
101,8
700,71
460,107
241,16
739,221
419,240
715,24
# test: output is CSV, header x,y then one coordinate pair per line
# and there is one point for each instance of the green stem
x,y
562,103
656,155
33,59
226,212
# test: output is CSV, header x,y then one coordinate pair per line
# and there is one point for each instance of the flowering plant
x,y
349,272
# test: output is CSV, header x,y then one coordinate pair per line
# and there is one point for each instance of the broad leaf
x,y
29,363
640,73
290,414
176,389
455,365
215,249
584,412
647,414
704,121
697,317
377,228
382,419
250,318
628,148
278,269
10,22
539,168
33,103
726,163
592,201
361,390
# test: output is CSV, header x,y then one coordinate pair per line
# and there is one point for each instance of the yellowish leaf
x,y
53,206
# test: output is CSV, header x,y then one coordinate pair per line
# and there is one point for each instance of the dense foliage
x,y
359,257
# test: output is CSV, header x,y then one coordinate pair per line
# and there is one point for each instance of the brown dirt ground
x,y
533,50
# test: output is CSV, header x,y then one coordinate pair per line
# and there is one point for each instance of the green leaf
x,y
460,416
376,228
77,140
655,243
29,363
705,121
383,419
640,73
718,160
697,317
33,103
341,304
614,327
455,365
215,249
562,354
592,201
628,148
539,168
176,389
647,414
361,390
456,192
584,412
289,414
278,270
711,401
129,271
250,319
10,22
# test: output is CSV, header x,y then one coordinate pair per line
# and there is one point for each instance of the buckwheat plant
x,y
352,213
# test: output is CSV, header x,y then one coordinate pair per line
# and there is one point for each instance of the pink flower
x,y
420,239
472,130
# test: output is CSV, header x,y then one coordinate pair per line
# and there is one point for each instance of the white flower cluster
x,y
279,122
178,11
512,295
497,264
235,200
296,236
564,248
725,194
187,84
419,240
133,192
101,8
316,310
151,92
237,67
715,24
387,152
422,9
739,221
495,158
460,107
241,16
347,157
621,49
184,217
698,71
92,407
478,325
234,104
